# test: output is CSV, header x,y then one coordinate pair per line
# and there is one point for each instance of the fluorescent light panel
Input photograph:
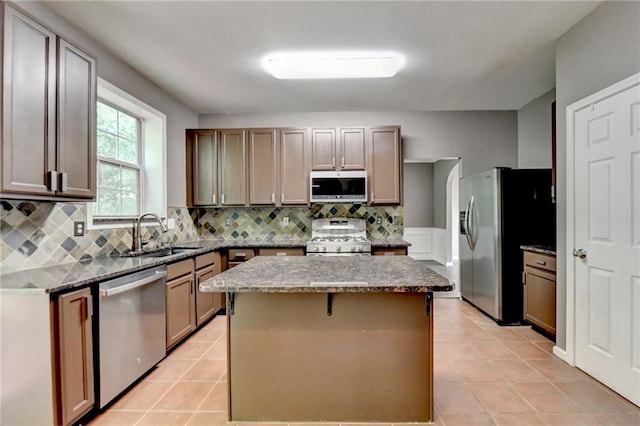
x,y
333,64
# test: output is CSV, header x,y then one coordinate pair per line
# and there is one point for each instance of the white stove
x,y
338,237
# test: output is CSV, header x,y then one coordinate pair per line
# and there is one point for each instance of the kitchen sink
x,y
163,253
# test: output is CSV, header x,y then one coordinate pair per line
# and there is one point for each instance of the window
x,y
119,163
132,167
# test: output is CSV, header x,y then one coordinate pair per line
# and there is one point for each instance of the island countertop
x,y
334,274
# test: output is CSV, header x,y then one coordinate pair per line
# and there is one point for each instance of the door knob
x,y
581,253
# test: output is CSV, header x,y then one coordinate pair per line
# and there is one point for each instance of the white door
x,y
606,265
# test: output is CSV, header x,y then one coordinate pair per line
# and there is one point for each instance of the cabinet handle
x,y
342,163
281,253
372,197
333,162
63,181
214,198
282,197
89,307
524,278
222,197
541,262
53,180
273,198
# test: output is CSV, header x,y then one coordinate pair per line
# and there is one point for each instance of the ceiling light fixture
x,y
333,64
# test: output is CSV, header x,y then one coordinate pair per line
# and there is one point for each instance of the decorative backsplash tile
x,y
35,234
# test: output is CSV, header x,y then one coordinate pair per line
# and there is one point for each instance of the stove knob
x,y
316,248
360,249
323,249
353,249
339,249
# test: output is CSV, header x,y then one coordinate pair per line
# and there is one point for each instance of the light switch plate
x,y
379,220
285,220
171,223
227,221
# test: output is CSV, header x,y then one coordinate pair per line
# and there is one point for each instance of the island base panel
x,y
371,360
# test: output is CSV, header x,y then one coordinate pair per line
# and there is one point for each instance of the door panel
x,y
352,149
233,168
263,171
205,169
29,102
294,172
385,161
76,121
323,149
607,148
465,253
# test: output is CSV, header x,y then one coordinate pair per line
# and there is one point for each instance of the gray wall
x,y
599,51
118,73
483,139
418,195
441,170
534,132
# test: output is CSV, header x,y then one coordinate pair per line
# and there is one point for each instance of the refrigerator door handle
x,y
466,223
470,230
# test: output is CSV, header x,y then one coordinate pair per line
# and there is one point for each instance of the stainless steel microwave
x,y
338,187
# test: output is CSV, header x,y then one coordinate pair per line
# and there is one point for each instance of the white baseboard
x,y
562,354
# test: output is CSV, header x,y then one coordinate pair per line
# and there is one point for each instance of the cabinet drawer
x,y
389,251
240,255
539,260
205,260
281,252
179,269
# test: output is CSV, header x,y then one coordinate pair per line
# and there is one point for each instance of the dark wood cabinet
x,y
263,167
202,167
385,165
294,169
180,301
389,251
74,352
233,168
207,303
342,150
540,291
352,149
48,115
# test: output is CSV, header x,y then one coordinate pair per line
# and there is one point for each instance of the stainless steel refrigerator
x,y
500,210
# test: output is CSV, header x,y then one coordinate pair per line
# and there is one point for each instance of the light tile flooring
x,y
484,375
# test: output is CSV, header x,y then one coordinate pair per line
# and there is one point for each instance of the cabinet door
x,y
352,149
207,303
76,122
263,171
75,352
323,149
540,299
204,169
294,170
385,164
233,168
181,315
29,116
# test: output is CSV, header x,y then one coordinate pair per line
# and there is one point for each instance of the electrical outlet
x,y
171,223
285,221
227,221
78,229
379,220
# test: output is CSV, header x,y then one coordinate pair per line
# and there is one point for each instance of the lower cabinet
x,y
181,302
187,306
73,365
540,291
281,252
389,251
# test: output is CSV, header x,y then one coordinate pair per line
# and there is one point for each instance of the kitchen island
x,y
336,339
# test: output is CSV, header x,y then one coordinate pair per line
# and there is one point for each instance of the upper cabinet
x,y
294,166
263,166
202,167
270,167
385,163
48,116
233,168
342,150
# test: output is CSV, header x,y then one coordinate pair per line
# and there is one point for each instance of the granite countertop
x,y
332,274
540,249
389,243
56,278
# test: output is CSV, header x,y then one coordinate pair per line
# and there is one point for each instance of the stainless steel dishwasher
x,y
132,328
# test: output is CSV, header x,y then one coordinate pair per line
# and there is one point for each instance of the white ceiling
x,y
460,55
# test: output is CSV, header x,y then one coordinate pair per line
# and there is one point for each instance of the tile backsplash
x,y
35,234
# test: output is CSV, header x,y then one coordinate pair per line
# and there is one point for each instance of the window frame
x,y
140,166
152,133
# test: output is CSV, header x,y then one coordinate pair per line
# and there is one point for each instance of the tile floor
x,y
484,375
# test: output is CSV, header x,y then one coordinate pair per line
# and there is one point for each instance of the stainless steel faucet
x,y
137,234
